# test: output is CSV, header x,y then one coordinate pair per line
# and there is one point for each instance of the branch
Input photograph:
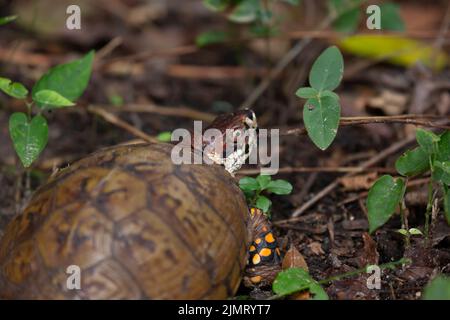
x,y
111,118
319,169
406,119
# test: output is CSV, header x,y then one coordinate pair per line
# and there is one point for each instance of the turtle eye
x,y
250,120
250,114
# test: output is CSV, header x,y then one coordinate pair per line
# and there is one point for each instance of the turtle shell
x,y
136,225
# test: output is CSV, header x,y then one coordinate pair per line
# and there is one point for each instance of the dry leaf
x,y
294,259
358,182
302,295
370,254
316,248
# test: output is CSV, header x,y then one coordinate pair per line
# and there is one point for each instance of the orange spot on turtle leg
x,y
256,259
269,237
265,252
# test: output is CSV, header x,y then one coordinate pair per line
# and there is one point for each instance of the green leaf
x,y
342,6
318,292
69,80
427,140
216,5
165,136
326,72
328,93
29,138
413,162
403,232
391,18
13,89
447,203
293,280
443,152
415,232
245,11
321,118
280,187
211,37
438,289
116,100
7,19
52,99
263,30
248,184
384,197
441,171
249,195
263,181
348,21
263,203
307,92
395,49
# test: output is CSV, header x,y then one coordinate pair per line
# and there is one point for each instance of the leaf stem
x,y
428,210
388,265
405,221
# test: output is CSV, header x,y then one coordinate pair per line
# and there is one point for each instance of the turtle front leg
x,y
264,260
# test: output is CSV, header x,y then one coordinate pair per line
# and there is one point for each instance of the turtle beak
x,y
250,120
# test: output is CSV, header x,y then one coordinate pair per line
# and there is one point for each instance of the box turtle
x,y
139,227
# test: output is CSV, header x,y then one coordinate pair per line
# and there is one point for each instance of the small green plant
x,y
254,187
386,194
254,13
7,19
322,110
349,14
407,233
57,88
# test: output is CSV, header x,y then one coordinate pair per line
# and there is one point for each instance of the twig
x,y
108,48
144,55
406,118
111,118
410,183
320,169
184,112
213,72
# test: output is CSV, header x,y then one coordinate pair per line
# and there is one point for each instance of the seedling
x,y
60,87
322,111
254,187
432,155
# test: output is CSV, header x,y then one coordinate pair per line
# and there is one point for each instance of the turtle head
x,y
238,133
